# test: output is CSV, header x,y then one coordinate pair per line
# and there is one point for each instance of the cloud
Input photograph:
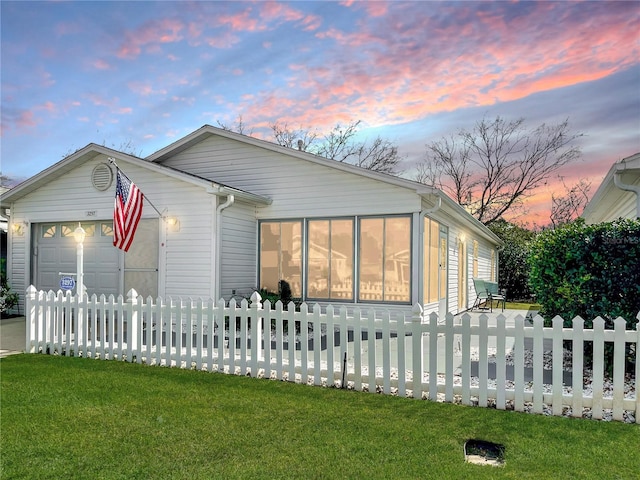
x,y
152,33
241,21
18,120
26,119
407,56
46,79
68,28
223,40
275,12
145,89
100,64
48,106
112,106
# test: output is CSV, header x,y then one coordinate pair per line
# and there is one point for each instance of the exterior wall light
x,y
174,224
18,229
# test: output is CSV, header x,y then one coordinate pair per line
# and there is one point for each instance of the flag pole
x,y
113,161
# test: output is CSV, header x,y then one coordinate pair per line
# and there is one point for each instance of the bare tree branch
x,y
380,156
491,169
340,145
566,208
301,139
238,127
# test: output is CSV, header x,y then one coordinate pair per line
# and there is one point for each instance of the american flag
x,y
127,211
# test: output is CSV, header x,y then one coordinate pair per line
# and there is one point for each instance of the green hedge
x,y
588,270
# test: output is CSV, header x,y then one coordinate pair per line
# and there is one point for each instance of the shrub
x,y
588,270
283,295
8,299
513,274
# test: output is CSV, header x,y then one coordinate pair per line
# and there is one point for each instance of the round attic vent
x,y
102,177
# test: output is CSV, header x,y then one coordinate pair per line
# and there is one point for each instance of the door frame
x,y
443,271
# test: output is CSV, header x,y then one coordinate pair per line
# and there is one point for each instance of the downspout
x,y
617,180
423,214
217,257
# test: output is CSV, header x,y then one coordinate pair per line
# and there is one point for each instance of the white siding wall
x,y
17,264
297,187
187,256
239,251
455,231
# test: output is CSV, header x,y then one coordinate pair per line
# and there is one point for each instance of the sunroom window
x,y
330,259
385,259
281,255
317,258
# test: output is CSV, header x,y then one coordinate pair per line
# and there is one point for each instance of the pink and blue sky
x,y
148,73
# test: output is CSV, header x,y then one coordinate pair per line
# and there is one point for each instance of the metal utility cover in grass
x,y
482,452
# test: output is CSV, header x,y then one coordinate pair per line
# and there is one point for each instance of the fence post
x,y
417,349
597,378
80,323
134,325
256,333
619,325
30,309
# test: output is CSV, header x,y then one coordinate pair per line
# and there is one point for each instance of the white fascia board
x,y
631,163
92,150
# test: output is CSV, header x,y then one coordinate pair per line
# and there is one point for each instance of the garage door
x,y
107,270
55,252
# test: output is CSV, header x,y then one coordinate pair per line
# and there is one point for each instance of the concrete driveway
x,y
12,336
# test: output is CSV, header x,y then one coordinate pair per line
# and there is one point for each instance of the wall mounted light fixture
x,y
18,228
173,224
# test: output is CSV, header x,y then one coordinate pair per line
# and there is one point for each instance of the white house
x,y
239,213
618,196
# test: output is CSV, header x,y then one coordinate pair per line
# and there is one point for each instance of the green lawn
x,y
69,418
523,306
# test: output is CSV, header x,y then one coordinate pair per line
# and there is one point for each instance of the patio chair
x,y
494,292
482,296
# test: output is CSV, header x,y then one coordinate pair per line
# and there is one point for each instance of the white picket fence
x,y
363,350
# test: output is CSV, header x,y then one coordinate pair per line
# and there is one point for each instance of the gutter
x,y
217,267
617,181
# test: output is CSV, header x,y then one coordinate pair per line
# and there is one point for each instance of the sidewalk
x,y
12,336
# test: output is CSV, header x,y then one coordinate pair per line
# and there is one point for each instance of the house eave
x,y
92,150
596,209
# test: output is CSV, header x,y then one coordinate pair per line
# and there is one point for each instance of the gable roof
x,y
153,163
608,195
421,189
92,150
